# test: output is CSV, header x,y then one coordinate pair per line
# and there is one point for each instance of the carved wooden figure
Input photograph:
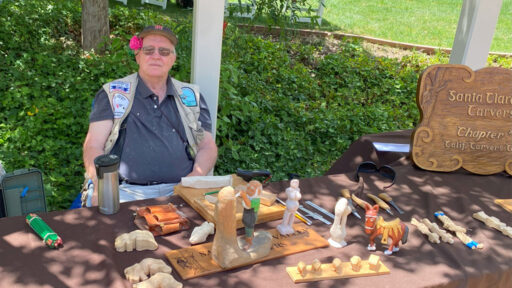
x,y
338,228
148,267
200,233
137,239
292,204
159,280
226,251
395,230
432,236
251,202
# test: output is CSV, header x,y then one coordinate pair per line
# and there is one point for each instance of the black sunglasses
x,y
370,167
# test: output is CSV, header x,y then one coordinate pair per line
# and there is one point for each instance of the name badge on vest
x,y
120,103
188,97
120,86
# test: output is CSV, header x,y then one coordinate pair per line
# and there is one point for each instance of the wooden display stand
x,y
466,120
196,261
326,272
195,198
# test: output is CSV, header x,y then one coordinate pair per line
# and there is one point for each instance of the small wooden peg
x,y
316,266
302,268
336,265
355,261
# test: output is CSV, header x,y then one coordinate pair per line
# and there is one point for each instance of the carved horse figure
x,y
395,230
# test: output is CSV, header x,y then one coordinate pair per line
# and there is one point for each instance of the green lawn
x,y
424,22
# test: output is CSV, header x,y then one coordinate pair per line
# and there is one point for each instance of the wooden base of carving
x,y
196,261
326,272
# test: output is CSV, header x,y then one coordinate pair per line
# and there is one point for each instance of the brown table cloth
x,y
88,258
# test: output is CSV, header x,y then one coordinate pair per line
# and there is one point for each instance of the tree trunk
x,y
95,27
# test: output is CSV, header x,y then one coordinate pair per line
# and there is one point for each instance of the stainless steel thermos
x,y
108,183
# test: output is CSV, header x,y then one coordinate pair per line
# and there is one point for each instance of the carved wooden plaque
x,y
196,261
466,120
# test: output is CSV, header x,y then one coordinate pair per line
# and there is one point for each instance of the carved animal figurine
x,y
338,231
395,230
292,204
159,280
137,239
149,266
200,233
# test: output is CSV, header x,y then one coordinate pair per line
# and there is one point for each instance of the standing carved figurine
x,y
392,232
251,202
338,228
292,204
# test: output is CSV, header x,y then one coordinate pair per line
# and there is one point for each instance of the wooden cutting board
x,y
196,261
195,198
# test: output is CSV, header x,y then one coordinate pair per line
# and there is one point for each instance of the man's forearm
x,y
90,153
204,162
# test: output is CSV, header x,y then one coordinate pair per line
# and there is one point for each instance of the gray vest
x,y
121,92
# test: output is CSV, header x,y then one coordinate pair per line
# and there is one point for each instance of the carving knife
x,y
297,214
314,215
388,199
381,203
346,194
320,209
359,202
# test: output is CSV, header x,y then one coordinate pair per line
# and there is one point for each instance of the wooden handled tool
x,y
359,202
388,199
381,203
346,194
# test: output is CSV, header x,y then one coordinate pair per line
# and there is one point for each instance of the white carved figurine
x,y
292,204
338,228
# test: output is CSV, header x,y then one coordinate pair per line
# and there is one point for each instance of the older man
x,y
160,127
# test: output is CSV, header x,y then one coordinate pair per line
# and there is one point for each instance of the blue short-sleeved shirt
x,y
155,143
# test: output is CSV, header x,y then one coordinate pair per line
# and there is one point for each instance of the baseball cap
x,y
159,30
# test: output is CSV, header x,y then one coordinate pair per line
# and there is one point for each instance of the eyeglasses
x,y
150,50
370,167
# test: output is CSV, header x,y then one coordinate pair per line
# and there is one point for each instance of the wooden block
x,y
196,261
337,265
301,268
196,199
315,267
326,272
355,263
374,262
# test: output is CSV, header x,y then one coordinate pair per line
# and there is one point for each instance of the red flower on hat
x,y
159,27
135,43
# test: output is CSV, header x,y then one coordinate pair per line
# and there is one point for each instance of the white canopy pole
x,y
206,51
475,31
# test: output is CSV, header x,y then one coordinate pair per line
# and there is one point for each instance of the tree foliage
x,y
286,107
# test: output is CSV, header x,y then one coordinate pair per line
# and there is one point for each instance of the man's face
x,y
155,65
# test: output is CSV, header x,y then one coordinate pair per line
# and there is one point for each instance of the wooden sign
x,y
195,198
466,120
196,261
